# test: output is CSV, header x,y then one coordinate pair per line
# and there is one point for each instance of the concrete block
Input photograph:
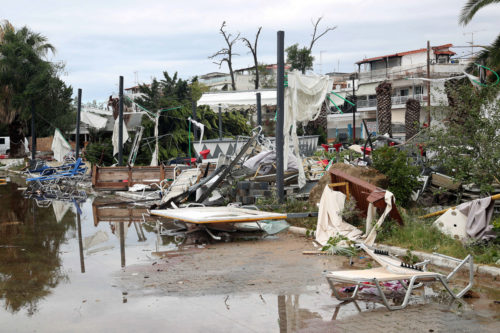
x,y
244,185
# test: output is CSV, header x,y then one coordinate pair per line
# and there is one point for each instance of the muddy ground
x,y
274,265
278,267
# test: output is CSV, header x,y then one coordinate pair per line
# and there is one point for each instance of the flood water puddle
x,y
60,272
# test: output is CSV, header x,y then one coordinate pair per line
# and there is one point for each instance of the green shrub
x,y
402,176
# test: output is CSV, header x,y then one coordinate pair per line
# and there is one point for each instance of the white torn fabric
x,y
371,231
330,221
303,100
265,159
60,209
479,213
93,120
115,136
60,146
200,126
154,158
96,239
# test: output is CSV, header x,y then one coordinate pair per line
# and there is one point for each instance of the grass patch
x,y
419,234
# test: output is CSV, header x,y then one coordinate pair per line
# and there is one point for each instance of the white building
x,y
244,78
398,69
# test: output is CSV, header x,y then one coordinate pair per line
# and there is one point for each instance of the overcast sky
x,y
100,40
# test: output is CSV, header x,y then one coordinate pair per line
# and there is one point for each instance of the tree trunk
x,y
16,135
256,72
230,65
384,108
412,117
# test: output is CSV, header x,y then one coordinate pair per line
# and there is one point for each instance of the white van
x,y
5,145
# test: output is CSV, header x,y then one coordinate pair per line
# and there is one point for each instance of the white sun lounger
x,y
391,270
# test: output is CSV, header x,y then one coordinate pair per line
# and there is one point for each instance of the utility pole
x,y
280,108
353,112
120,123
33,132
220,122
77,143
259,110
428,83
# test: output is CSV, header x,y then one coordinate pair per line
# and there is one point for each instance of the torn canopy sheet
x,y
265,159
330,221
93,120
115,136
60,146
200,126
303,100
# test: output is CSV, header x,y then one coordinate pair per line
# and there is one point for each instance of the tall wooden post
x,y
120,123
77,143
280,108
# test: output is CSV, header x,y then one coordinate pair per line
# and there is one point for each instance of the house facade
x,y
402,70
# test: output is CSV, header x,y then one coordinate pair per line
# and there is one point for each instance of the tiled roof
x,y
400,54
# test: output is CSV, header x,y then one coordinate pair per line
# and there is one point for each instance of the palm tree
x,y
23,76
412,117
471,8
490,56
384,108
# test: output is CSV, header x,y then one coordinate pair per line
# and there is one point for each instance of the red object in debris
x,y
204,153
325,147
421,147
125,181
3,156
367,150
337,146
425,125
391,144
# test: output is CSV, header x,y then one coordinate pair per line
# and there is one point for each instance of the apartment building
x,y
402,70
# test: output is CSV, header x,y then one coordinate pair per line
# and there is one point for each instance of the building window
x,y
403,92
2,141
419,90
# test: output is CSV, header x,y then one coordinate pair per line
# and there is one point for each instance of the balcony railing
x,y
396,100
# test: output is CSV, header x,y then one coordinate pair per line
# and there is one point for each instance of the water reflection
x,y
30,239
292,317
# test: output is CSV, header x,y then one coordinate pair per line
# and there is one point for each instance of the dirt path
x,y
269,265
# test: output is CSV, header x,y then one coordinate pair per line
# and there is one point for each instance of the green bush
x,y
402,176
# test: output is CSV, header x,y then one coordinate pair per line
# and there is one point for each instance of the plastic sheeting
x,y
115,136
330,221
370,216
303,100
93,120
200,126
263,159
60,146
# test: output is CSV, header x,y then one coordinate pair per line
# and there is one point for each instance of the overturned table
x,y
218,218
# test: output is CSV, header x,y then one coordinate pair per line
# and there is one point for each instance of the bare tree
x,y
226,54
253,49
315,35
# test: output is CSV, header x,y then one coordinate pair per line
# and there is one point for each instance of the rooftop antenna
x,y
471,33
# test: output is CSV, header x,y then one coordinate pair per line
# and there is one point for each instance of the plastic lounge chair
x,y
393,270
76,170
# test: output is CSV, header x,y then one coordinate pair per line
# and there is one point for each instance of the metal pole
x,y
220,122
121,230
120,123
259,110
77,145
429,83
33,132
195,130
280,108
353,112
80,245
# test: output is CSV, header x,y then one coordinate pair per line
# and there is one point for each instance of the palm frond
x,y
471,8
